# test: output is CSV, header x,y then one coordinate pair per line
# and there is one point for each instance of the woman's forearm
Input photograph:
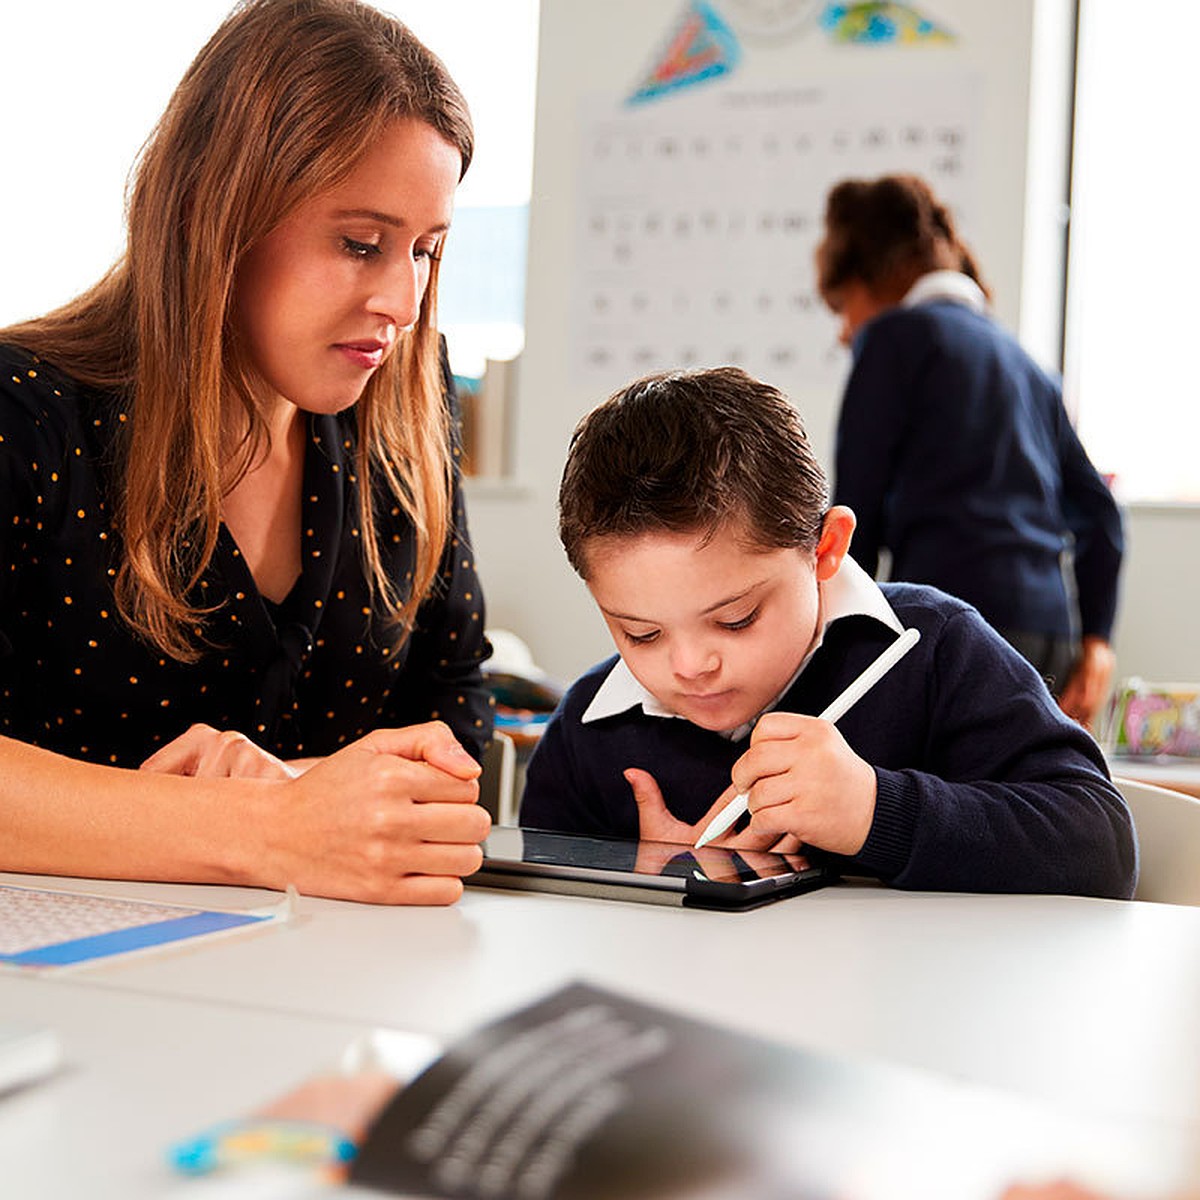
x,y
65,817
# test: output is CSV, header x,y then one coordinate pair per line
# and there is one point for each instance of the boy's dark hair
x,y
687,451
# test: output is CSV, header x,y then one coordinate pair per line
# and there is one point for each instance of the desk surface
x,y
1182,774
140,1073
1088,1004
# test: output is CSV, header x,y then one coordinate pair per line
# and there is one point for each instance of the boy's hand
x,y
663,836
804,780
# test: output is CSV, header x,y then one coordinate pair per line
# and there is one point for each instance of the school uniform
x,y
299,678
956,454
983,785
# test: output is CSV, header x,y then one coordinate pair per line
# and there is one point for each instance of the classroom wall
x,y
1158,630
1012,196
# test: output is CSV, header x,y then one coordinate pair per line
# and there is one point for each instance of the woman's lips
x,y
367,355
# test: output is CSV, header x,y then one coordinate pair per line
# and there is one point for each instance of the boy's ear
x,y
836,532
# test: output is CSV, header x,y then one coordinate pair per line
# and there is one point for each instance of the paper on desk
x,y
44,929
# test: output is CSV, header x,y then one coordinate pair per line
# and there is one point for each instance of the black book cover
x,y
589,1094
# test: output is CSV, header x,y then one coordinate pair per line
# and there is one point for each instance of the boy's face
x,y
714,630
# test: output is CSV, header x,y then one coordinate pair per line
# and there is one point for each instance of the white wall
x,y
1158,623
604,49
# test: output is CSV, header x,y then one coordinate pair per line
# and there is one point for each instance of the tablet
x,y
652,872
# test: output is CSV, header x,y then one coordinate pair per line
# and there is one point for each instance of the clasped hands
x,y
391,818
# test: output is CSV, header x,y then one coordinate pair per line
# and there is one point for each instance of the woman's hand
x,y
209,753
390,819
1088,684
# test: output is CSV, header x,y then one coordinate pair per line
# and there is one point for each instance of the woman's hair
x,y
276,108
887,233
690,453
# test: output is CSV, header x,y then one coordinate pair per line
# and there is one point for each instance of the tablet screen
x,y
714,876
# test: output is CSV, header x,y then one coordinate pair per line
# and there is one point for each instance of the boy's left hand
x,y
803,779
662,836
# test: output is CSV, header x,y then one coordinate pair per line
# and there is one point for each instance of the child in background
x,y
692,507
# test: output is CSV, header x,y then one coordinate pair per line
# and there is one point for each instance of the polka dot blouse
x,y
300,678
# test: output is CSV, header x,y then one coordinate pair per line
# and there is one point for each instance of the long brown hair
x,y
887,233
275,108
689,452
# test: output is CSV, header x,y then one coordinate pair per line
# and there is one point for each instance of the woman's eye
x,y
744,623
360,249
429,252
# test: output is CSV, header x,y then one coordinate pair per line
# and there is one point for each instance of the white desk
x,y
1181,774
141,1073
1088,1004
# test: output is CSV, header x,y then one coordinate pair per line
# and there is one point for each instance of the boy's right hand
x,y
804,779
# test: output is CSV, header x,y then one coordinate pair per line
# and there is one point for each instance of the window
x,y
83,84
1132,315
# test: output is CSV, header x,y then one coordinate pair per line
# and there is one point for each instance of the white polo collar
x,y
851,592
946,285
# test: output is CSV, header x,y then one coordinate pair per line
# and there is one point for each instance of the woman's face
x,y
854,304
321,300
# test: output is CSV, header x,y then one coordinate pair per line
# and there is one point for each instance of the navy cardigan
x,y
983,785
955,452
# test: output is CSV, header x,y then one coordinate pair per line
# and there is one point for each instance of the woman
x,y
953,447
229,509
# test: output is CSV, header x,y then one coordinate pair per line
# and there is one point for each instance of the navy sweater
x,y
982,784
955,452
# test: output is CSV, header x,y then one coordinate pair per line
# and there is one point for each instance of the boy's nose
x,y
692,662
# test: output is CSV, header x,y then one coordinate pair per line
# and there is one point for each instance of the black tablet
x,y
653,872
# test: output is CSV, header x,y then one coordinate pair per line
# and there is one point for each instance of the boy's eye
x,y
641,639
360,249
744,623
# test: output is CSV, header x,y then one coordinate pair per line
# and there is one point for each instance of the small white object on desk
x,y
27,1053
838,708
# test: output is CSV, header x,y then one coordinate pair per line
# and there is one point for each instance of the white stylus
x,y
855,692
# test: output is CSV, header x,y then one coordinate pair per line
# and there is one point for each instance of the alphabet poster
x,y
698,214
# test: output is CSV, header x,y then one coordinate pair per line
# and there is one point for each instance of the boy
x,y
692,507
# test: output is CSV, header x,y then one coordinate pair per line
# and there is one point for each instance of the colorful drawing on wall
x,y
703,47
770,22
881,23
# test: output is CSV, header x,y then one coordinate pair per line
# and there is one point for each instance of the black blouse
x,y
300,678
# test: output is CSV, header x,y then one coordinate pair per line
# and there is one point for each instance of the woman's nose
x,y
399,296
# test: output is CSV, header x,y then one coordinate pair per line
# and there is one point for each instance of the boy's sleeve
x,y
1012,795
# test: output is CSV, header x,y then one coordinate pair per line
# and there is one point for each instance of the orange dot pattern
x,y
302,677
